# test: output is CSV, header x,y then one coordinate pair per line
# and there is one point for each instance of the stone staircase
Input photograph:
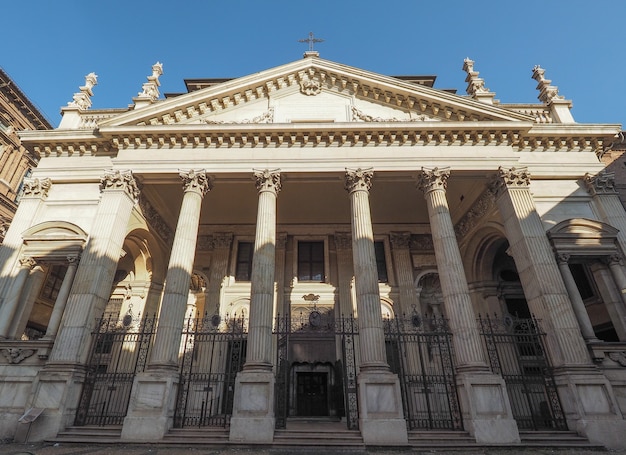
x,y
308,434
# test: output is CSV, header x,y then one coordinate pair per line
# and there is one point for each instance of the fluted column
x,y
403,265
259,355
10,306
456,296
61,300
343,246
172,313
281,252
577,302
543,285
617,272
371,334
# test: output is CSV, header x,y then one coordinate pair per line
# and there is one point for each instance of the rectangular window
x,y
52,285
243,270
311,261
381,263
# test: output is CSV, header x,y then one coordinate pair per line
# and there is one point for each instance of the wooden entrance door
x,y
312,394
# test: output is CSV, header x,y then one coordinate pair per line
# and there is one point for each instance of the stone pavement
x,y
149,449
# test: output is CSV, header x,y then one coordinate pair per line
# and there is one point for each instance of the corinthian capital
x,y
26,262
358,179
601,183
433,179
267,180
120,180
36,187
196,181
509,178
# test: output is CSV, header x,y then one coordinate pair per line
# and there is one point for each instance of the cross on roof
x,y
311,40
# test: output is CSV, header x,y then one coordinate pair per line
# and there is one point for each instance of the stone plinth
x,y
381,419
591,409
151,408
253,410
486,409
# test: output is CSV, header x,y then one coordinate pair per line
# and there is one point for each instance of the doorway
x,y
312,394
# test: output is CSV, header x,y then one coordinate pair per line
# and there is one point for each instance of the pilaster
x,y
403,267
222,242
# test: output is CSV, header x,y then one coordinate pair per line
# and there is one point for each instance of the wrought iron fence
x,y
120,348
516,351
419,351
213,352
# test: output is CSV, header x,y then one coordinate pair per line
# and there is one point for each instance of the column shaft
x,y
10,306
343,243
172,312
371,333
61,300
577,302
259,355
219,269
404,273
456,296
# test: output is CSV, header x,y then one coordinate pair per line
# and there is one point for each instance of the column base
x,y
486,410
253,408
381,418
151,408
591,408
57,392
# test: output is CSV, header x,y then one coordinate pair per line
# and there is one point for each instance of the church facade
x,y
316,242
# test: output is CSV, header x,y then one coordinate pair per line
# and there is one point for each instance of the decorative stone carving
x,y
562,258
281,240
343,240
618,357
120,180
475,84
198,181
36,187
547,92
155,220
433,179
222,240
422,242
359,115
310,86
265,117
82,99
511,178
358,179
267,180
601,183
483,205
197,283
150,89
17,355
27,262
400,240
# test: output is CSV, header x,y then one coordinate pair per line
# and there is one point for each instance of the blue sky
x,y
49,46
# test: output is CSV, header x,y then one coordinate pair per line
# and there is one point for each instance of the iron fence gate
x,y
419,351
214,351
313,325
516,351
119,351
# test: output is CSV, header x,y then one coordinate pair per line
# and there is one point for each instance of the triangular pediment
x,y
313,90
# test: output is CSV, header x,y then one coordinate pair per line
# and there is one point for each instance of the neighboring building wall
x,y
17,113
615,162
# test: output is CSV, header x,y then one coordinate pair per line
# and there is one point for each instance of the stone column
x,y
61,300
222,242
577,302
543,285
615,266
611,296
381,419
456,295
57,387
587,396
35,193
485,405
11,304
253,409
281,252
408,302
150,413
